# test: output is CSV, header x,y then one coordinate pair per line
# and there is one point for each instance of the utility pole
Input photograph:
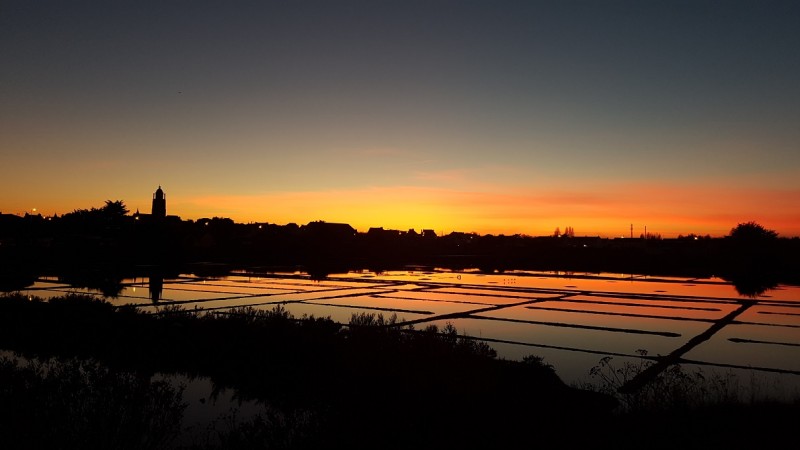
x,y
631,231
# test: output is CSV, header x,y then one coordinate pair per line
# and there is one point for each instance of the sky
x,y
493,117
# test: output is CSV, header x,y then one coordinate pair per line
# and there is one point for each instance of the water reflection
x,y
156,287
16,278
109,284
572,318
753,284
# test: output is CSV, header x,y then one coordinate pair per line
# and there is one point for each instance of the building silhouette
x,y
159,209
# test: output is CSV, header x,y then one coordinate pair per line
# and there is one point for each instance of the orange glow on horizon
x,y
664,210
606,211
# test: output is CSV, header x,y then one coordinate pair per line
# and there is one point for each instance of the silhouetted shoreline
x,y
115,242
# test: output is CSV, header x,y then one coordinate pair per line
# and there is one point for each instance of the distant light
x,y
695,238
34,209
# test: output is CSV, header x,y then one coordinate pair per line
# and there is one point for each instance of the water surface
x,y
572,320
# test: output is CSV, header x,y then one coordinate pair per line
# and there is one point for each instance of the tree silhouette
x,y
752,232
753,258
115,208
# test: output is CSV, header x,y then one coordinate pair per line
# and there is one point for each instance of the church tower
x,y
159,204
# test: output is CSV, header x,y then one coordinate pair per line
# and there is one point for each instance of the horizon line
x,y
641,235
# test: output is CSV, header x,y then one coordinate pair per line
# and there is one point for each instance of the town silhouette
x,y
77,244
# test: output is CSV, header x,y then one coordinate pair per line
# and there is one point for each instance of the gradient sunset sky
x,y
498,117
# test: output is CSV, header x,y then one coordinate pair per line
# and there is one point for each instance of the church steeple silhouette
x,y
159,204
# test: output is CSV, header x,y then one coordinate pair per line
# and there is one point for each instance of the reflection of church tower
x,y
156,287
159,204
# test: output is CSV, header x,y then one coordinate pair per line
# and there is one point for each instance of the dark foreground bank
x,y
366,385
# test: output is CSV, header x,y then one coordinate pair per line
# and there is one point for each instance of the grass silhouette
x,y
74,403
690,408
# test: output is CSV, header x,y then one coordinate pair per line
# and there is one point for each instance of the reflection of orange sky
x,y
666,210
